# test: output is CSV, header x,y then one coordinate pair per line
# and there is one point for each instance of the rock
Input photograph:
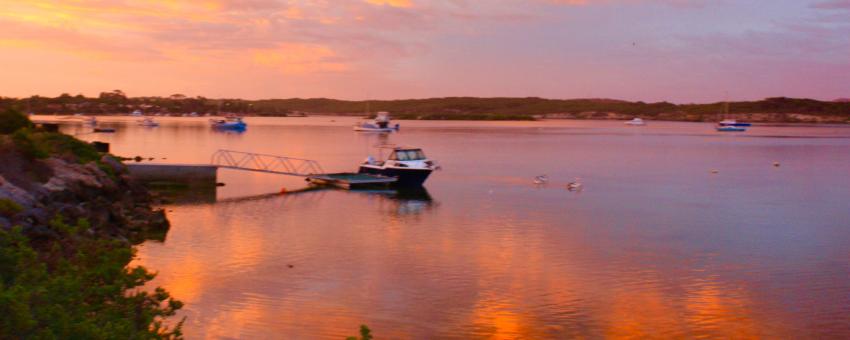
x,y
114,164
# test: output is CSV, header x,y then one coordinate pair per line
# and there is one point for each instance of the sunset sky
x,y
650,50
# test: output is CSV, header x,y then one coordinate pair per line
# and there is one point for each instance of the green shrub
x,y
29,147
63,145
78,288
12,120
9,207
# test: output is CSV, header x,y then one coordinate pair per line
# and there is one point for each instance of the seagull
x,y
575,185
542,179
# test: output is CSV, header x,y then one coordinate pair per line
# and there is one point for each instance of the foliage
x,y
63,145
26,145
9,207
12,120
365,334
77,287
116,102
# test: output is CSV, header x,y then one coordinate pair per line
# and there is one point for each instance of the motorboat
x,y
136,113
230,123
730,128
381,123
636,122
408,165
148,122
104,129
732,122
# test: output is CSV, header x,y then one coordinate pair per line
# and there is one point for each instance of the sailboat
x,y
730,125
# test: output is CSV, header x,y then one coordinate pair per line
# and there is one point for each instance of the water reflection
x,y
656,247
407,201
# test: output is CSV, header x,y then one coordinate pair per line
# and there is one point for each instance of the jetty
x,y
206,174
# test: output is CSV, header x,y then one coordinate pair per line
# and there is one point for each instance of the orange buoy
x,y
282,191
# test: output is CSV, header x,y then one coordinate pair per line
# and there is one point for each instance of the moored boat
x,y
730,128
732,122
381,123
407,164
148,122
230,123
636,122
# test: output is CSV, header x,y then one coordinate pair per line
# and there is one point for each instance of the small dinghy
x,y
381,123
148,122
231,123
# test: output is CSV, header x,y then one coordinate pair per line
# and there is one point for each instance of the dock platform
x,y
348,180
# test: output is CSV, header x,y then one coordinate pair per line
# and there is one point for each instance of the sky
x,y
651,50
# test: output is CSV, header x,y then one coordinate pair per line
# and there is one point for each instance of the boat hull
x,y
406,177
730,129
736,124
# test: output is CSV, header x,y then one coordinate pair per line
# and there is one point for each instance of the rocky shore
x,y
37,191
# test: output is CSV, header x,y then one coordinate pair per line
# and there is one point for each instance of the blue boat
x,y
730,128
234,123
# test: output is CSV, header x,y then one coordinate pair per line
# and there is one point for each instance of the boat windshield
x,y
407,155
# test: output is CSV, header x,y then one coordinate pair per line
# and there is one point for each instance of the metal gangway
x,y
238,160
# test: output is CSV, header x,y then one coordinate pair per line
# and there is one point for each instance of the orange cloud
x,y
393,3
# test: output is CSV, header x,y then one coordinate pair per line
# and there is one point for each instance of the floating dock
x,y
348,180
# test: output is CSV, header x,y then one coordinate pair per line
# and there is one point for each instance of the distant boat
x,y
730,122
730,128
136,113
90,121
148,122
381,123
636,122
104,129
231,123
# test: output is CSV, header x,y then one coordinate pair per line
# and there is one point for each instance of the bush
x,y
12,120
23,139
63,145
78,288
9,207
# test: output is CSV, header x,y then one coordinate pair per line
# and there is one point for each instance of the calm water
x,y
655,245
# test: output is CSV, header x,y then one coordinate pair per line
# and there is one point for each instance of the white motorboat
x,y
381,123
636,122
407,164
148,122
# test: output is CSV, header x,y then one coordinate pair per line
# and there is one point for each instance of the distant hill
x,y
842,100
778,109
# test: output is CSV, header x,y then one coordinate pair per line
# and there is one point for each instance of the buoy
x,y
776,164
714,171
282,191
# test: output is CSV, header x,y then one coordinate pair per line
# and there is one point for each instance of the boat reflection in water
x,y
404,201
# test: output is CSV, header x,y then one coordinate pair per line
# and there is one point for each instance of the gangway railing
x,y
238,160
